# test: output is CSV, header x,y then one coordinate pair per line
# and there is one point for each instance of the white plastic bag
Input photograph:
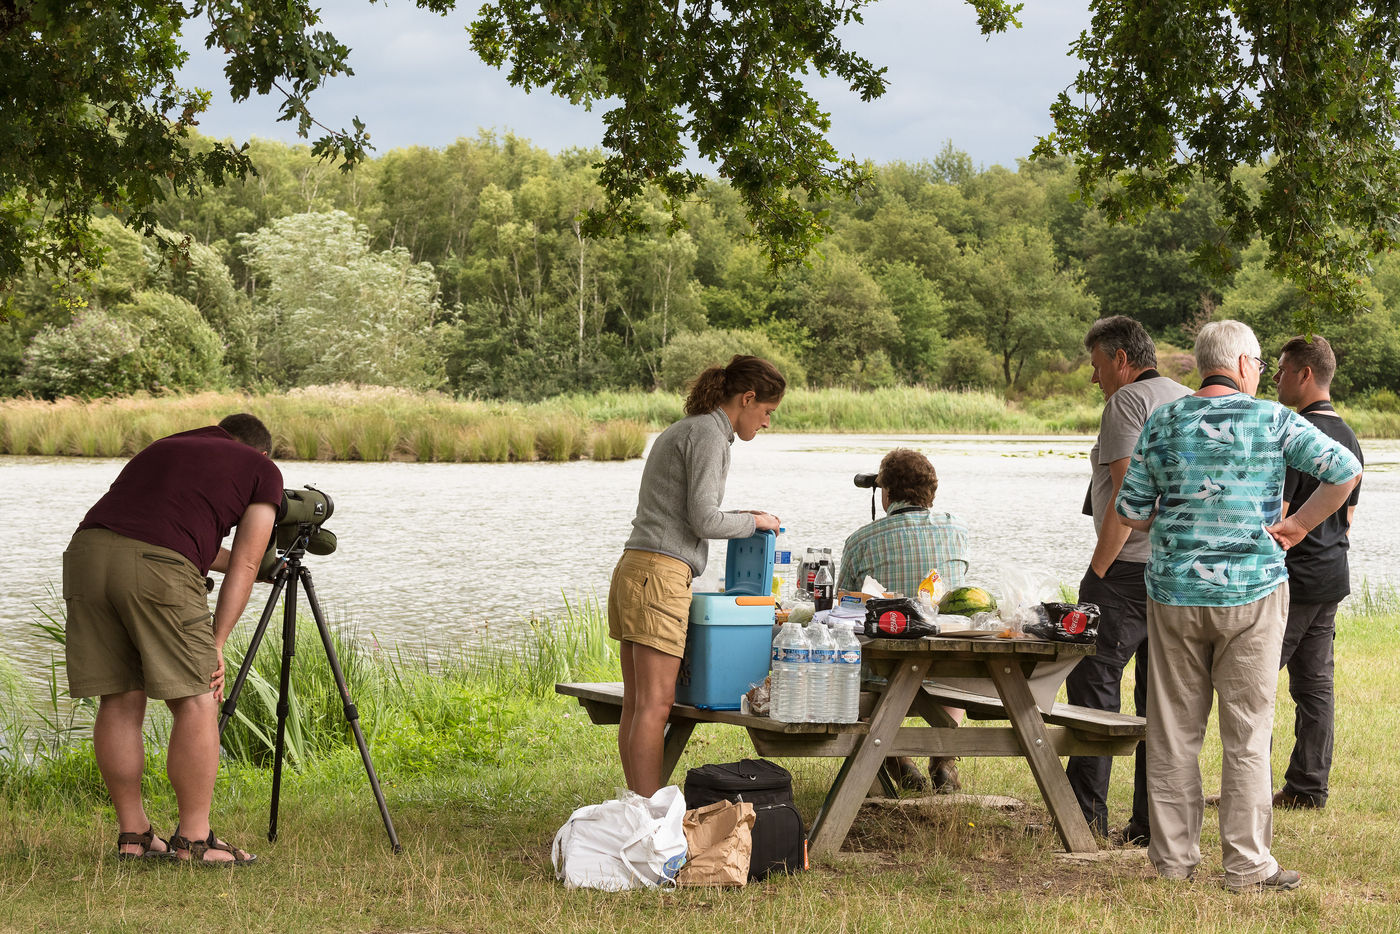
x,y
1022,590
629,842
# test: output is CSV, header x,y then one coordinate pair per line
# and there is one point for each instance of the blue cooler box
x,y
729,640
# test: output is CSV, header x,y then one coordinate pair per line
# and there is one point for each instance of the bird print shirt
x,y
1212,468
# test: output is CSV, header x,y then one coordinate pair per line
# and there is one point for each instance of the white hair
x,y
1220,343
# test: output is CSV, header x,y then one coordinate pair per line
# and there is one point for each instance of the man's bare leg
x,y
121,758
193,764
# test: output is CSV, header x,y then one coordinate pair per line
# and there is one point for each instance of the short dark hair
x,y
908,477
1315,353
1120,332
248,429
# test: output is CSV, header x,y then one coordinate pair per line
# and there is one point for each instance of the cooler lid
x,y
748,565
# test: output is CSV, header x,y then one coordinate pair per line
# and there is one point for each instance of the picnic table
x,y
1037,735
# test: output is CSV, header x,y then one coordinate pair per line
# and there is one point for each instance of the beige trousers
x,y
1196,652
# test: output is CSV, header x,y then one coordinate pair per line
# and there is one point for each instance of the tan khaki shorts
x,y
649,601
138,619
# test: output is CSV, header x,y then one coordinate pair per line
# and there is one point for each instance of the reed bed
x,y
561,438
375,423
618,441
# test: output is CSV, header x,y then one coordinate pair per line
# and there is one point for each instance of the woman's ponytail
x,y
718,384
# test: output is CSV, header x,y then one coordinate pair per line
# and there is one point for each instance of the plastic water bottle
x,y
791,660
821,671
782,567
847,676
823,589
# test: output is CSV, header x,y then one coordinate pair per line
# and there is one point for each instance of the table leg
x,y
1045,765
677,735
861,766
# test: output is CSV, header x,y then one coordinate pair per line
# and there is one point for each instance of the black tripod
x,y
289,569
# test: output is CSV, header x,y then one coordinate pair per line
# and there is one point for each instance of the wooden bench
x,y
1073,731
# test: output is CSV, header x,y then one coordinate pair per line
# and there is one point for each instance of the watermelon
x,y
966,601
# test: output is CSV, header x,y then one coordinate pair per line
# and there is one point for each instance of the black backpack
x,y
779,839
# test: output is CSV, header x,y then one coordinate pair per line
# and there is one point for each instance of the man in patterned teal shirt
x,y
1206,482
899,551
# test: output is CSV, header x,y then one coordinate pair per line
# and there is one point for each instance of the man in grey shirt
x,y
1125,361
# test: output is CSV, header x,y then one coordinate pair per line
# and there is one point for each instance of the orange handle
x,y
754,601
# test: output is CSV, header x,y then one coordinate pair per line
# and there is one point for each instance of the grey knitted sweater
x,y
682,488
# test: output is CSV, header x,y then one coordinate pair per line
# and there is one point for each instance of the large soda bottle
x,y
847,676
821,670
788,689
799,578
782,567
824,588
809,571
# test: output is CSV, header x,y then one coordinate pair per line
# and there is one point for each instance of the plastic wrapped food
x,y
897,618
1065,622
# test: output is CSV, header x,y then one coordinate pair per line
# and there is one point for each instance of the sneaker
x,y
1283,880
944,772
1287,799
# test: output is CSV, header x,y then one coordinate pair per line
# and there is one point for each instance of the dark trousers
x,y
1096,682
1307,654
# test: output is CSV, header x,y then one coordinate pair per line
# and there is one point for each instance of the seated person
x,y
899,551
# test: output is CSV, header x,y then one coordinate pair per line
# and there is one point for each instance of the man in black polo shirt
x,y
1318,579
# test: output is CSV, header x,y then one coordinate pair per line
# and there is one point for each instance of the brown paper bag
x,y
719,841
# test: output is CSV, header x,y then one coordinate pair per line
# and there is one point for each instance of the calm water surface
x,y
434,556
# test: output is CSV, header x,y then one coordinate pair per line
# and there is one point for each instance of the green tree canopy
x,y
91,112
329,309
1019,303
1175,90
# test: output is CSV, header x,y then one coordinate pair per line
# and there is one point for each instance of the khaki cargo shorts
x,y
649,601
138,619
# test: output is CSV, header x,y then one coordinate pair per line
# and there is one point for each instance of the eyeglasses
x,y
1262,365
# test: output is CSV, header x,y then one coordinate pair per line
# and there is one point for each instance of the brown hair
x,y
248,429
1315,353
908,477
719,384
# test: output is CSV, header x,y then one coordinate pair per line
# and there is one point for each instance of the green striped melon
x,y
965,601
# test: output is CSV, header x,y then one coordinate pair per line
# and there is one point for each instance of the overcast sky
x,y
417,82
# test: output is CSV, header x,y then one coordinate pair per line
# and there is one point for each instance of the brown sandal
x,y
198,848
144,841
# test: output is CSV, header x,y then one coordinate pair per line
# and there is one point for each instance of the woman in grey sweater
x,y
678,511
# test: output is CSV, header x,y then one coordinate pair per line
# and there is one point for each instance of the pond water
x,y
434,556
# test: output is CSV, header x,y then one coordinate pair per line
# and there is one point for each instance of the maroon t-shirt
x,y
186,491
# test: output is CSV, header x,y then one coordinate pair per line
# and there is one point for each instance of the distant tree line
x,y
466,269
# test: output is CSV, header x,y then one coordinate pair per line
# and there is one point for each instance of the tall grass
x,y
47,729
561,438
373,423
619,441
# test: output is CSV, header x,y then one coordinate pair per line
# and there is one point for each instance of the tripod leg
x,y
231,700
352,714
289,647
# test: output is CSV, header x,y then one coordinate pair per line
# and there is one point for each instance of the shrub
x,y
687,355
968,364
94,355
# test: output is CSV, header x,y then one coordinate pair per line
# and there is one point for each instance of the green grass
x,y
481,764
